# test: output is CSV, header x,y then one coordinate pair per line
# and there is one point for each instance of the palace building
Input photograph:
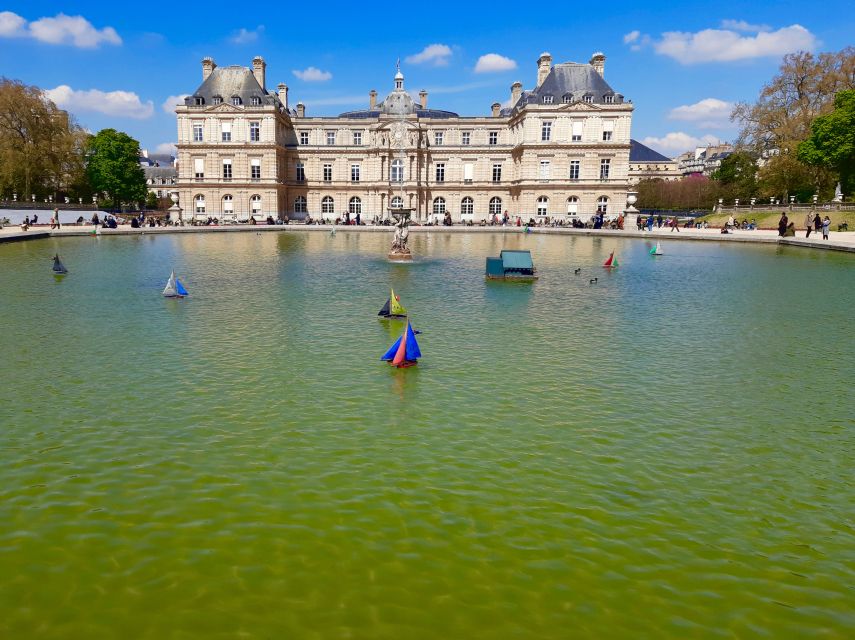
x,y
559,149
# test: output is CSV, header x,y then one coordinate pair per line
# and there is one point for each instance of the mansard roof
x,y
642,153
572,79
229,82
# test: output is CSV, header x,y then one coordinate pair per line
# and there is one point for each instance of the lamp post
x,y
815,198
753,202
14,197
736,203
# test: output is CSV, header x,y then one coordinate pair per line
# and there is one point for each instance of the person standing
x,y
358,219
808,223
659,221
56,215
825,224
817,223
782,224
675,226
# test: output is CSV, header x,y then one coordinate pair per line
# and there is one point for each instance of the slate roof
x,y
568,78
226,82
642,153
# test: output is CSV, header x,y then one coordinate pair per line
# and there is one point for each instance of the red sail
x,y
401,354
608,262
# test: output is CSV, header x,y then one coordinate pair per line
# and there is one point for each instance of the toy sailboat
x,y
174,288
405,352
611,262
58,268
657,250
393,307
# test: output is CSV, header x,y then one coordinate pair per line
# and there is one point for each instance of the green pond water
x,y
667,453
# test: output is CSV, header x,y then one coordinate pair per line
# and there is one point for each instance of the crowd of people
x,y
813,222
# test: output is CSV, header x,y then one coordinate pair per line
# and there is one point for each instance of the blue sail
x,y
413,351
392,350
180,288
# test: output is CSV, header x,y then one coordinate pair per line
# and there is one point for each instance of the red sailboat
x,y
611,262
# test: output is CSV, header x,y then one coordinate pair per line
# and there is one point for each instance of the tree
x,y
737,176
832,141
151,200
113,167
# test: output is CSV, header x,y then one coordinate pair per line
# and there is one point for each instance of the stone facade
x,y
560,149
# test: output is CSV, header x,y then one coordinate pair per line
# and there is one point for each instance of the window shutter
x,y
577,128
227,127
468,171
608,125
199,165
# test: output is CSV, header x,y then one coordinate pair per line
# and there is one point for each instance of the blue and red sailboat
x,y
405,352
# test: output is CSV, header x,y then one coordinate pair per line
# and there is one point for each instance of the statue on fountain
x,y
399,250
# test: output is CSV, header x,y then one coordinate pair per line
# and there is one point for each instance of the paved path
x,y
838,241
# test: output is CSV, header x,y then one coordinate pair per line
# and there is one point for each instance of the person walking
x,y
675,226
825,224
650,223
659,221
782,224
808,223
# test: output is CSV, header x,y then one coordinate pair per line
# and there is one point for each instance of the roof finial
x,y
398,65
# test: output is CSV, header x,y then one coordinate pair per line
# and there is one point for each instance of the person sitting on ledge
x,y
252,220
135,223
791,230
80,221
724,230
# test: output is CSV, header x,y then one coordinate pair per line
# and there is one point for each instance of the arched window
x,y
228,206
355,206
397,202
542,206
255,205
495,206
300,204
439,206
467,206
572,205
602,204
255,101
199,202
327,205
396,173
236,101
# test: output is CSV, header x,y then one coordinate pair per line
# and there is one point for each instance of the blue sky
x,y
683,65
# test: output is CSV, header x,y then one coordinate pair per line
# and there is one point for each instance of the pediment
x,y
583,107
224,108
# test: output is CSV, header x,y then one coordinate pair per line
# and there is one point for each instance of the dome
x,y
399,75
398,103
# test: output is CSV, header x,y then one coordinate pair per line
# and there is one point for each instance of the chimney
x,y
496,108
516,92
208,66
544,64
598,61
423,98
283,94
258,68
145,153
301,110
372,99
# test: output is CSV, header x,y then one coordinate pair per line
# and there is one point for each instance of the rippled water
x,y
665,453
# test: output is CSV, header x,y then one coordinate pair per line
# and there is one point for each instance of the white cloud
x,y
121,104
312,74
245,36
74,30
719,45
674,143
166,147
171,102
632,36
491,62
741,25
12,25
436,54
708,113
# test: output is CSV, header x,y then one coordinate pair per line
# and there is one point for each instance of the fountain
x,y
400,252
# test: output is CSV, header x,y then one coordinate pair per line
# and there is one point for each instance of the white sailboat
x,y
174,288
657,251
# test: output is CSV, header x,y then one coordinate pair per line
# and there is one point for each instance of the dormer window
x,y
566,98
609,99
217,100
236,101
588,98
255,101
198,101
547,99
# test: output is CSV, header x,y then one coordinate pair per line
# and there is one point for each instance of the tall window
x,y
576,135
572,205
574,169
255,169
545,131
197,132
199,202
327,205
438,137
304,137
330,138
608,128
396,173
547,99
354,173
327,173
465,137
542,206
300,204
493,138
440,172
439,206
255,205
228,206
227,132
605,165
357,138
301,172
227,169
397,202
602,204
199,169
355,206
544,170
497,173
467,206
254,131
495,206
